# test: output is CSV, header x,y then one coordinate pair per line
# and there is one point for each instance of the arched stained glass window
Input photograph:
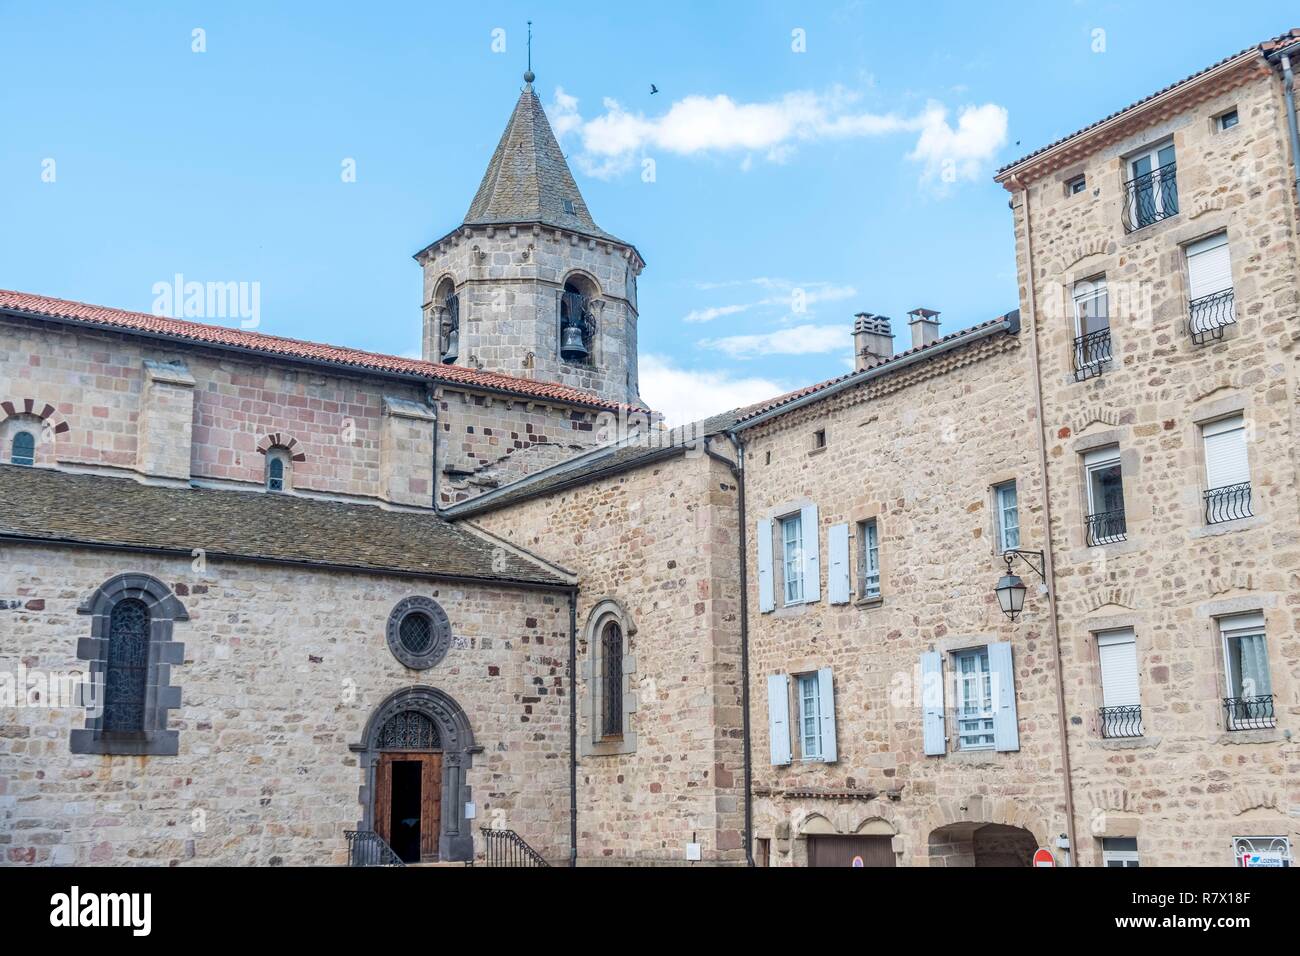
x,y
23,449
274,473
611,657
127,666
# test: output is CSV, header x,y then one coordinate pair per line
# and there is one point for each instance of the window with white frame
x,y
1008,516
974,699
1119,852
792,557
1227,470
810,718
869,559
1249,701
1092,335
1152,190
1210,297
1104,482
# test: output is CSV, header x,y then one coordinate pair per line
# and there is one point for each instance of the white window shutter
x,y
778,717
1119,669
766,591
1209,267
1006,733
812,568
932,702
837,578
826,691
1226,461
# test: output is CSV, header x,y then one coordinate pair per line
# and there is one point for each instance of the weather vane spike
x,y
528,75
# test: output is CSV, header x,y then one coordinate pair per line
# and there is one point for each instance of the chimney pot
x,y
873,340
925,327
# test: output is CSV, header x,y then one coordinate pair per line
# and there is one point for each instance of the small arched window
x,y
277,470
22,450
127,668
611,660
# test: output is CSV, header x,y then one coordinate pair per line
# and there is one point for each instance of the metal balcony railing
x,y
1249,713
1121,721
508,848
1209,315
1091,353
368,848
1151,197
1106,527
1228,503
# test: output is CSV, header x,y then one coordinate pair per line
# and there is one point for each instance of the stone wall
x,y
509,279
660,542
282,669
1188,785
919,451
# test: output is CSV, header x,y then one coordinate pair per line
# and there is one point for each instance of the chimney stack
x,y
873,342
925,327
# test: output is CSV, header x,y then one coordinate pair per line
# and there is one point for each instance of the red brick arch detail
x,y
278,440
30,406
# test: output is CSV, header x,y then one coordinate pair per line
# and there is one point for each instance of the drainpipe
x,y
432,402
1049,565
738,470
573,727
1288,85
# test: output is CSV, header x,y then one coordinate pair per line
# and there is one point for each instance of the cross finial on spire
x,y
528,75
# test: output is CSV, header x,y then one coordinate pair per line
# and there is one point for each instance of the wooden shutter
x,y
778,717
826,691
812,568
932,702
1226,462
766,591
1006,733
837,578
1209,267
1119,669
431,805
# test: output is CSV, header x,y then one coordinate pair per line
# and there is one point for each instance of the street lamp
x,y
1010,589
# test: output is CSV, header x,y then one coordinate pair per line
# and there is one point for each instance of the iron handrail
x,y
508,848
368,848
1107,527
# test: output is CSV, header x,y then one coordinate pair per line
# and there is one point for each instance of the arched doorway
x,y
981,844
414,754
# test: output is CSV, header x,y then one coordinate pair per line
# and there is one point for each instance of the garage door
x,y
841,851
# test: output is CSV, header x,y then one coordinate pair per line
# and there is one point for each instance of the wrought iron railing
x,y
368,848
1249,713
1091,352
1107,527
1228,503
508,848
1151,197
1121,721
1209,315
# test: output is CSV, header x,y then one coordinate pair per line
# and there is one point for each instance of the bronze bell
x,y
571,344
453,348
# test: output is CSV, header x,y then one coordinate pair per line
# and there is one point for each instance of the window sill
x,y
977,758
608,747
1266,735
1127,743
1226,527
817,451
1159,227
869,602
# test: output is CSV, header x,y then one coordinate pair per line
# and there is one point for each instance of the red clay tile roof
x,y
1011,320
1266,48
223,337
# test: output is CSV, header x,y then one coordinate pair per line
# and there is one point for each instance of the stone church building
x,y
1027,586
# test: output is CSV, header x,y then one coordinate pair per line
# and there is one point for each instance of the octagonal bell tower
x,y
528,284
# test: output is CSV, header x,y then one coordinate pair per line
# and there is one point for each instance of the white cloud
x,y
795,298
796,340
684,395
698,125
716,312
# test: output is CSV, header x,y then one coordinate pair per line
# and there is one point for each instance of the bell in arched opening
x,y
572,348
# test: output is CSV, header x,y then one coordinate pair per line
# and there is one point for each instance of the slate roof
x,y
600,463
528,180
1266,48
57,506
274,345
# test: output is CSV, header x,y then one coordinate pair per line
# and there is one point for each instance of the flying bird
x,y
653,89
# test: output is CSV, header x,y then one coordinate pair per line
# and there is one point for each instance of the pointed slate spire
x,y
527,179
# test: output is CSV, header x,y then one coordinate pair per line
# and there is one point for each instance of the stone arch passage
x,y
456,741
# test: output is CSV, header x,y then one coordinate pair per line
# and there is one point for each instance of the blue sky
x,y
790,189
